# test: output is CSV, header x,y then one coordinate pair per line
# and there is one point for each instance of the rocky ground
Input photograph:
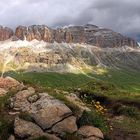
x,y
39,56
39,114
47,116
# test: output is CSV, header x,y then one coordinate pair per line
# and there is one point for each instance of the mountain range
x,y
73,49
69,83
89,34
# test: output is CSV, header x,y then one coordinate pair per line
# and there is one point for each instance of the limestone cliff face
x,y
38,32
5,33
93,35
89,34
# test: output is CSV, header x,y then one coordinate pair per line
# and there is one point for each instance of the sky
x,y
120,15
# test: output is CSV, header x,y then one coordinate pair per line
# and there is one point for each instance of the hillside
x,y
63,57
69,83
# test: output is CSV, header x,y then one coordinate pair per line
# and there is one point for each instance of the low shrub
x,y
71,137
95,119
129,111
6,128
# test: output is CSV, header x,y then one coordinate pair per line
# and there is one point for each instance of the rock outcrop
x,y
12,137
49,114
5,33
89,34
90,133
67,125
67,58
25,129
46,110
9,83
3,92
40,115
38,32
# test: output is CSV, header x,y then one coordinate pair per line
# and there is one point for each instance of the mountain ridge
x,y
88,34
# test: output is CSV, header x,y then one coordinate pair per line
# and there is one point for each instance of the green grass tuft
x,y
95,119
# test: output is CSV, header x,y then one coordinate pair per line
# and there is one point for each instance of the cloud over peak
x,y
122,15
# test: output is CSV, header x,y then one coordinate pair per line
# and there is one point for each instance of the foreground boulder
x,y
3,92
25,129
10,83
90,133
12,137
68,125
47,112
20,102
47,117
71,97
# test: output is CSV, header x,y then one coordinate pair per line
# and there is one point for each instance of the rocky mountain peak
x,y
87,34
5,33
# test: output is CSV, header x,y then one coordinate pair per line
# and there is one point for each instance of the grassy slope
x,y
124,80
126,85
51,79
127,80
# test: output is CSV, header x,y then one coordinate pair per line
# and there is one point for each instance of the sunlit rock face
x,y
5,33
67,49
41,56
38,32
8,83
93,35
88,34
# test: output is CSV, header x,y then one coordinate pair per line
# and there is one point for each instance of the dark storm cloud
x,y
120,15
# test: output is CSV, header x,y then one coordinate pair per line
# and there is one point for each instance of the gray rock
x,y
20,101
31,90
71,97
8,83
11,137
33,98
24,128
14,113
3,92
68,125
47,111
90,133
20,87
